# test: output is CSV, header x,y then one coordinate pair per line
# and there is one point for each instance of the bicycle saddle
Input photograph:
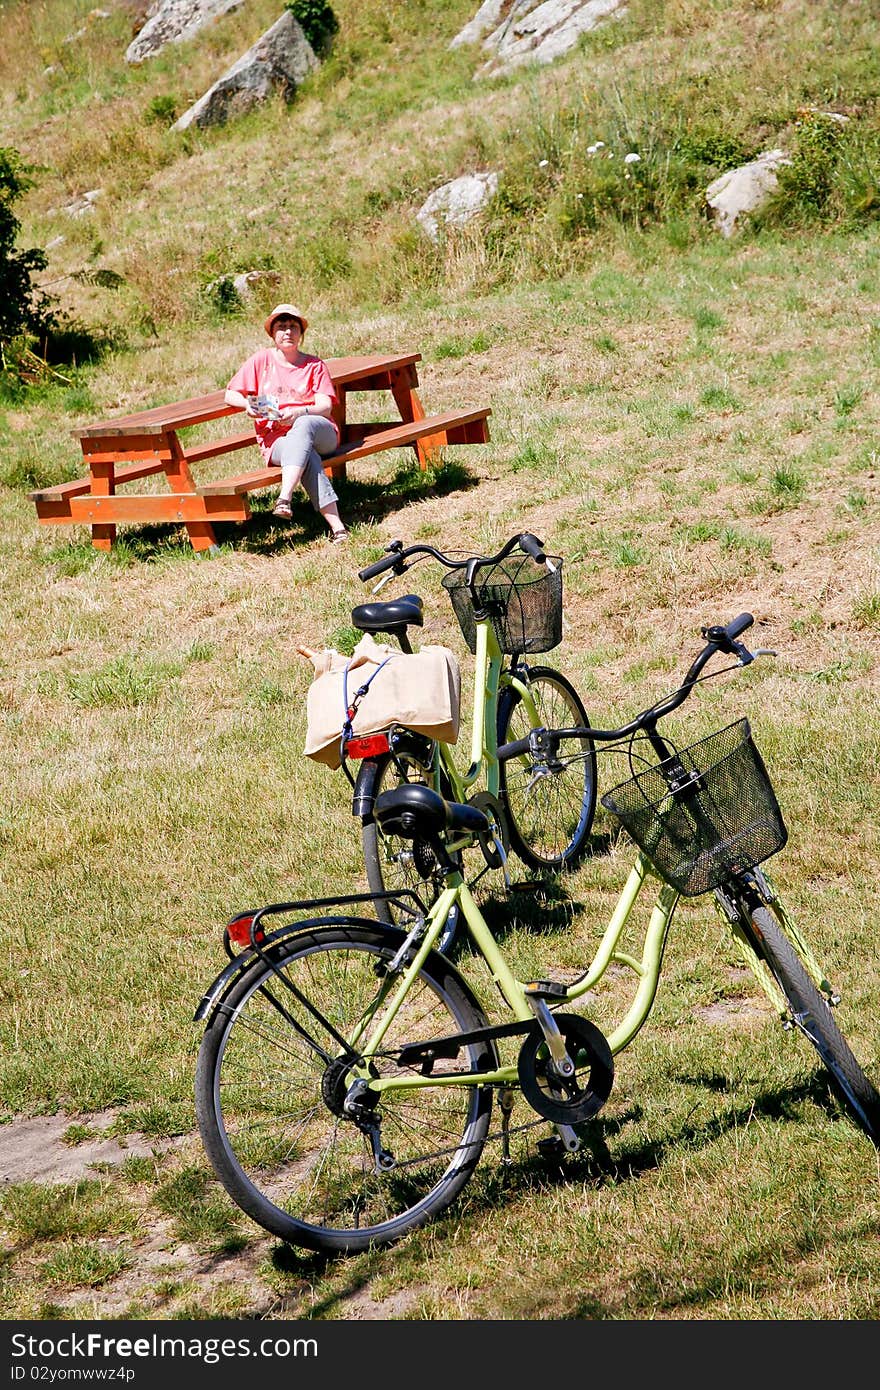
x,y
413,810
384,617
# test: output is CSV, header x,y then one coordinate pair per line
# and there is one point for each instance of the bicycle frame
x,y
515,991
647,968
489,679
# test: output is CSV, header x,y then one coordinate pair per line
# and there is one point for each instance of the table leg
x,y
403,388
340,415
103,476
180,479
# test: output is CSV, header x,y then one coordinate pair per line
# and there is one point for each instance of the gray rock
x,y
738,192
530,32
251,280
456,202
247,282
487,18
279,61
173,21
85,203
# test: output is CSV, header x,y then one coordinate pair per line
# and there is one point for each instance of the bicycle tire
x,y
269,1107
394,863
812,1016
549,823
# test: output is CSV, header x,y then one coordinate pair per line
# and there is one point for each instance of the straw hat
x,y
290,309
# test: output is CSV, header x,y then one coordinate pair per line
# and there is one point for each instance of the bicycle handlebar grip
x,y
513,750
379,567
532,546
739,625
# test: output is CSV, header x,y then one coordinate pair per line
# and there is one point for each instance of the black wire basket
x,y
725,818
524,601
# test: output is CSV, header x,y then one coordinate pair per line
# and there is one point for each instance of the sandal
x,y
282,509
338,537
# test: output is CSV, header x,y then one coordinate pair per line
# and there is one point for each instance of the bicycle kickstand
x,y
505,1103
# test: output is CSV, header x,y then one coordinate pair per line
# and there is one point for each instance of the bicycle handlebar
x,y
396,557
721,638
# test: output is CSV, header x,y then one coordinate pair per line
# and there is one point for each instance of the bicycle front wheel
x,y
549,810
811,1015
393,863
271,1088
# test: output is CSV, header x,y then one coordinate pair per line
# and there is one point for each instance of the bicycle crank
x,y
567,1099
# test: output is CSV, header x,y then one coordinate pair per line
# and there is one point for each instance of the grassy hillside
x,y
692,422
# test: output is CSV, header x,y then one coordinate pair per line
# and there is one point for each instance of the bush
x,y
808,180
162,110
317,21
23,307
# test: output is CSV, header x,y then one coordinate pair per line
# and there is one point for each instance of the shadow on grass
x,y
360,503
595,1165
541,907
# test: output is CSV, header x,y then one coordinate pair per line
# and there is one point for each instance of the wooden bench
x,y
136,446
454,427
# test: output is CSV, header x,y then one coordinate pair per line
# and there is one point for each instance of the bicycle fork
x,y
736,900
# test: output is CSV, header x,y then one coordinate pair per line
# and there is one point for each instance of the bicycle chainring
x,y
492,807
567,1100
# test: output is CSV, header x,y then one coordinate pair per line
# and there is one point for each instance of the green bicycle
x,y
346,1074
507,605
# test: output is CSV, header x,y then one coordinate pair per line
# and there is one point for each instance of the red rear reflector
x,y
239,930
367,747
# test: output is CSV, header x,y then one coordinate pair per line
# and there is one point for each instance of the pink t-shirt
x,y
267,374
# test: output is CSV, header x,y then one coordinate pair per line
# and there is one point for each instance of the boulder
x,y
487,19
279,61
173,21
526,31
247,283
738,192
456,202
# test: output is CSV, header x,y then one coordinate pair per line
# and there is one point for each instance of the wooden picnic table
x,y
130,447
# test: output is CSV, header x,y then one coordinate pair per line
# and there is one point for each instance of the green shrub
x,y
317,21
223,297
23,308
162,110
807,182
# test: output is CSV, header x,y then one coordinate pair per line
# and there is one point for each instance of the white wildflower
x,y
632,158
542,163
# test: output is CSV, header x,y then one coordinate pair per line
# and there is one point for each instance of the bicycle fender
x,y
219,989
365,788
222,983
365,785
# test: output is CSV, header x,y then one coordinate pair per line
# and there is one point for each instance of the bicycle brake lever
x,y
382,582
763,651
743,655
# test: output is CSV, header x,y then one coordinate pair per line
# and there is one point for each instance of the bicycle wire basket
x,y
523,599
723,820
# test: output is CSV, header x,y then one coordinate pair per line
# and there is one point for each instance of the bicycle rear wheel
x,y
811,1015
393,863
270,1092
550,814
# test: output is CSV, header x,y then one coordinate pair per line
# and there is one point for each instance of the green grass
x,y
690,421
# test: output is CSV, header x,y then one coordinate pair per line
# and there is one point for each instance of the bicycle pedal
x,y
551,1148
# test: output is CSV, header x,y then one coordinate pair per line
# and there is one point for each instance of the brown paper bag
x,y
420,691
